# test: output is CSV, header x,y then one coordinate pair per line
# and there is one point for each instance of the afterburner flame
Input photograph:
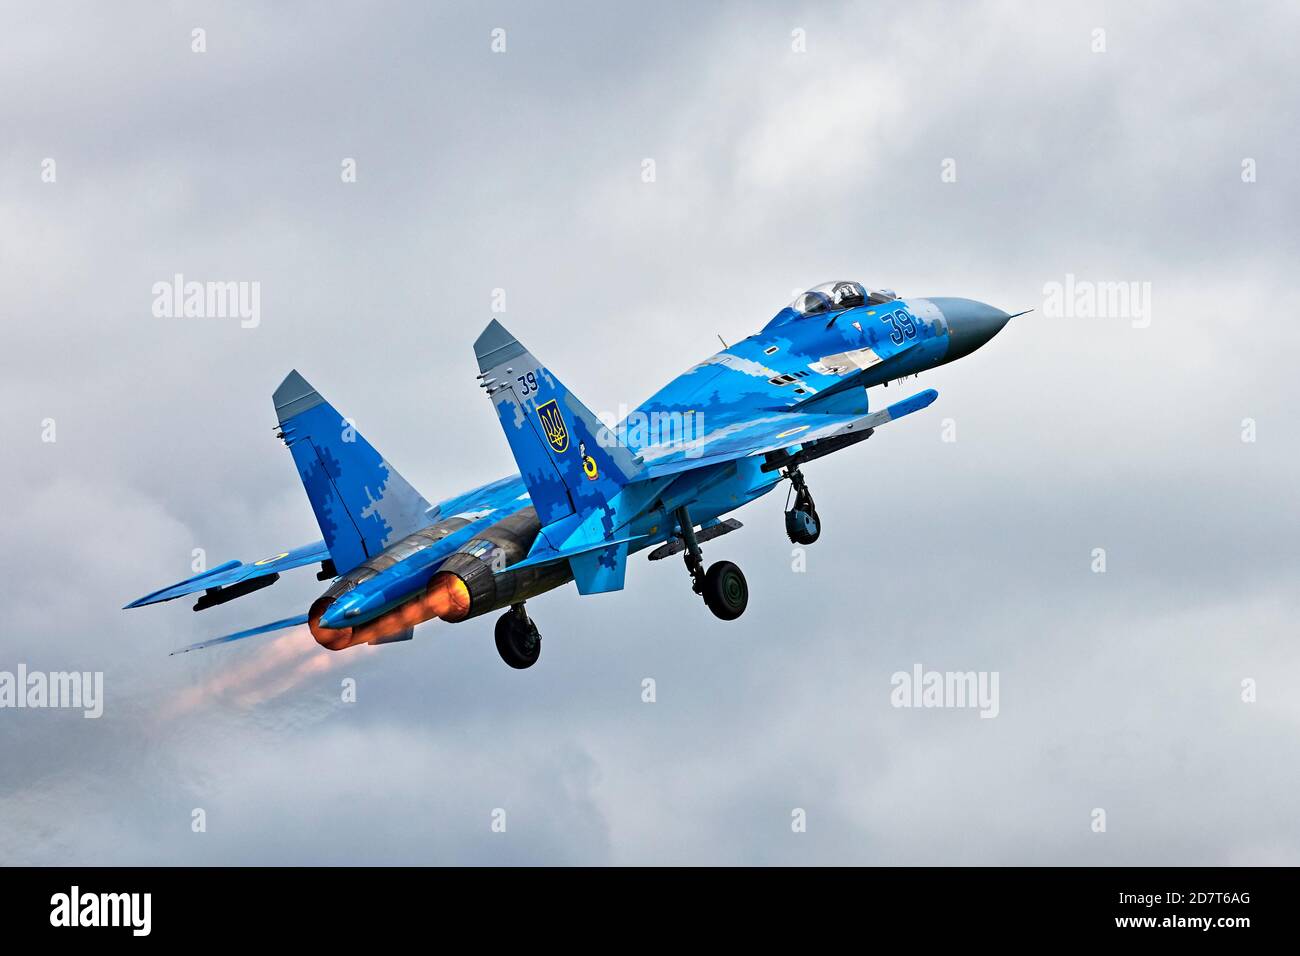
x,y
332,638
446,598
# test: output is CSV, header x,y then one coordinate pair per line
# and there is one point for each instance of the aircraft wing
x,y
239,577
769,431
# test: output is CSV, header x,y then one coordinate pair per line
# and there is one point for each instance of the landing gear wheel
x,y
802,527
725,590
518,642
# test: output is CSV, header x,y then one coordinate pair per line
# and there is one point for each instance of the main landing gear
x,y
802,526
518,642
723,586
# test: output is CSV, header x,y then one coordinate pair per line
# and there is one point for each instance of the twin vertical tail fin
x,y
568,460
361,503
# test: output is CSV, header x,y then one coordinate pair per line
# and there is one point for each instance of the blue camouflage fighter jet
x,y
590,493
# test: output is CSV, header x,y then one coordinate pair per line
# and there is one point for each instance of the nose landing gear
x,y
802,526
518,642
723,586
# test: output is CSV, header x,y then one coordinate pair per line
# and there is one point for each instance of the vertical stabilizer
x,y
361,502
567,457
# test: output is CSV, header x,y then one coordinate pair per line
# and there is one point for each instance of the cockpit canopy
x,y
837,296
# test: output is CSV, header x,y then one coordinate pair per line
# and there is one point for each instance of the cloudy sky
x,y
792,143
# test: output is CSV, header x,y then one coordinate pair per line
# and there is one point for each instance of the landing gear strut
x,y
723,586
518,642
802,526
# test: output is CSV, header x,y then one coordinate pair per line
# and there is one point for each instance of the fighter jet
x,y
590,492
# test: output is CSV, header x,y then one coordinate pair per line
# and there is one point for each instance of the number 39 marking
x,y
901,326
527,384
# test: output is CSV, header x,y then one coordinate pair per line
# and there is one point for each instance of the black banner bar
x,y
332,906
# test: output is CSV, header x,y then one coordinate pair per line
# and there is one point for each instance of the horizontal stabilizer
x,y
236,575
551,556
240,635
677,545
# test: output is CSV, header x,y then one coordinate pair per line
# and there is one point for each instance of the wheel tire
x,y
725,591
518,646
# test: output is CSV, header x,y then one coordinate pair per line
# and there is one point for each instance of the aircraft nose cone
x,y
970,324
